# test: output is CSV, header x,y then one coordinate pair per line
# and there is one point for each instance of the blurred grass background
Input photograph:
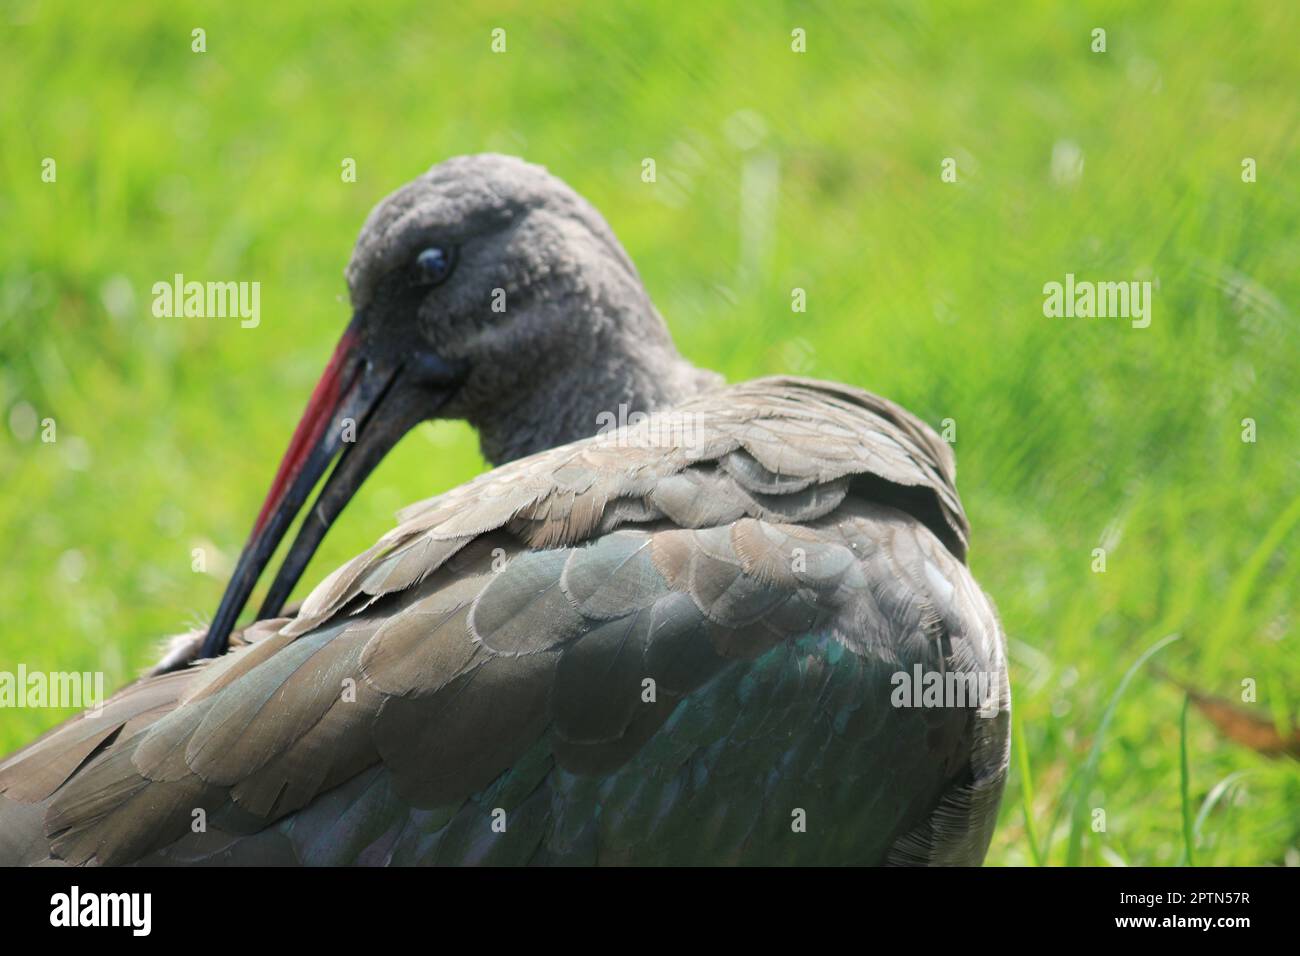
x,y
776,170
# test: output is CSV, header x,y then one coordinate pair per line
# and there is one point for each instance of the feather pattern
x,y
675,642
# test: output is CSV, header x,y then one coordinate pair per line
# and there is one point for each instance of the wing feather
x,y
549,616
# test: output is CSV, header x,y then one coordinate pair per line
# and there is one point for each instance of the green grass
x,y
1072,434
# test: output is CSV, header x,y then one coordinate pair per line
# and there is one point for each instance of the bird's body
x,y
675,641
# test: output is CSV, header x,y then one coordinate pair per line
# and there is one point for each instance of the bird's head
x,y
483,287
484,275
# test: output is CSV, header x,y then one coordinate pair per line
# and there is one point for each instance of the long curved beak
x,y
362,406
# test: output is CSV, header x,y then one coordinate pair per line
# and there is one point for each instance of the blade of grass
x,y
1086,776
1184,786
1026,784
1217,793
1244,582
1166,623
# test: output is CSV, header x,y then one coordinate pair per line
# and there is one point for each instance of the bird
x,y
675,624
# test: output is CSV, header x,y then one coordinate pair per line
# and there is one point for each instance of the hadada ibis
x,y
734,627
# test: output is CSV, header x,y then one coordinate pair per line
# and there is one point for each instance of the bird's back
x,y
678,641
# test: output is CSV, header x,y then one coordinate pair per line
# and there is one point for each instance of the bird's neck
x,y
590,398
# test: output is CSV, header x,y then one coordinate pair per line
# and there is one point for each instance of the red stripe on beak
x,y
324,402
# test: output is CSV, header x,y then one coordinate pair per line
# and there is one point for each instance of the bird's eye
x,y
433,265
